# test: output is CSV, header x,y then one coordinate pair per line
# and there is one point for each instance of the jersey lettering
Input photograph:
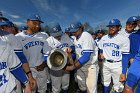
x,y
3,79
3,65
111,45
63,45
33,43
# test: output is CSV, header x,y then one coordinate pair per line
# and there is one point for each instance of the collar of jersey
x,y
25,32
111,36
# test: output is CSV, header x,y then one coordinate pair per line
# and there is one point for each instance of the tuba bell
x,y
57,59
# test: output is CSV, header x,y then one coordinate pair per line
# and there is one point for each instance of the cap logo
x,y
112,21
72,25
55,29
134,18
37,16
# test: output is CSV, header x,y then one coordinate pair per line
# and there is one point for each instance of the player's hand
x,y
27,88
68,50
131,60
101,57
69,68
33,83
122,77
41,67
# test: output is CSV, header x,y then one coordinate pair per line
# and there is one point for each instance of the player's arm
x,y
125,58
88,47
15,67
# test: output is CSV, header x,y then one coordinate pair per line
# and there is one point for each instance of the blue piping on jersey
x,y
84,58
19,65
91,51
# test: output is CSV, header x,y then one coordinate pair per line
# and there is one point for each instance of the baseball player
x,y
12,40
134,53
114,50
134,41
130,26
34,48
86,57
9,66
62,41
94,35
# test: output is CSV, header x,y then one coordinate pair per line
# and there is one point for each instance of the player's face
x,y
113,30
34,26
77,33
8,29
99,35
130,27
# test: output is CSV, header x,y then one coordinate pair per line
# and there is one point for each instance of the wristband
x,y
28,72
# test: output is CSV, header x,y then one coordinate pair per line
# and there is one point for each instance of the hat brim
x,y
74,30
36,20
4,18
4,23
112,25
56,34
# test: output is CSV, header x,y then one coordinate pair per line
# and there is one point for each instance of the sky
x,y
95,12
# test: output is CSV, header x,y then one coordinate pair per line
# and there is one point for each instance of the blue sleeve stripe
x,y
19,65
126,53
88,51
46,55
18,50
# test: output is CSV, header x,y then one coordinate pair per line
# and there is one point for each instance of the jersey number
x,y
115,53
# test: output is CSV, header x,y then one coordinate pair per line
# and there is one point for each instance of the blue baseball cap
x,y
67,29
74,27
132,19
55,29
35,17
2,17
100,31
8,23
114,22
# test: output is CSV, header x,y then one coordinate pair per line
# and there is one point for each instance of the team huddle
x,y
113,56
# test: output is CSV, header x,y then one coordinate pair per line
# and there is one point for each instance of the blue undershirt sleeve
x,y
125,61
19,74
73,52
22,57
84,58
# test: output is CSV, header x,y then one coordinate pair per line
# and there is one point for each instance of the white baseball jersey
x,y
62,44
12,40
113,47
34,47
123,32
86,44
8,61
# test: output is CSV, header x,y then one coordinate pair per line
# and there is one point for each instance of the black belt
x,y
112,61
